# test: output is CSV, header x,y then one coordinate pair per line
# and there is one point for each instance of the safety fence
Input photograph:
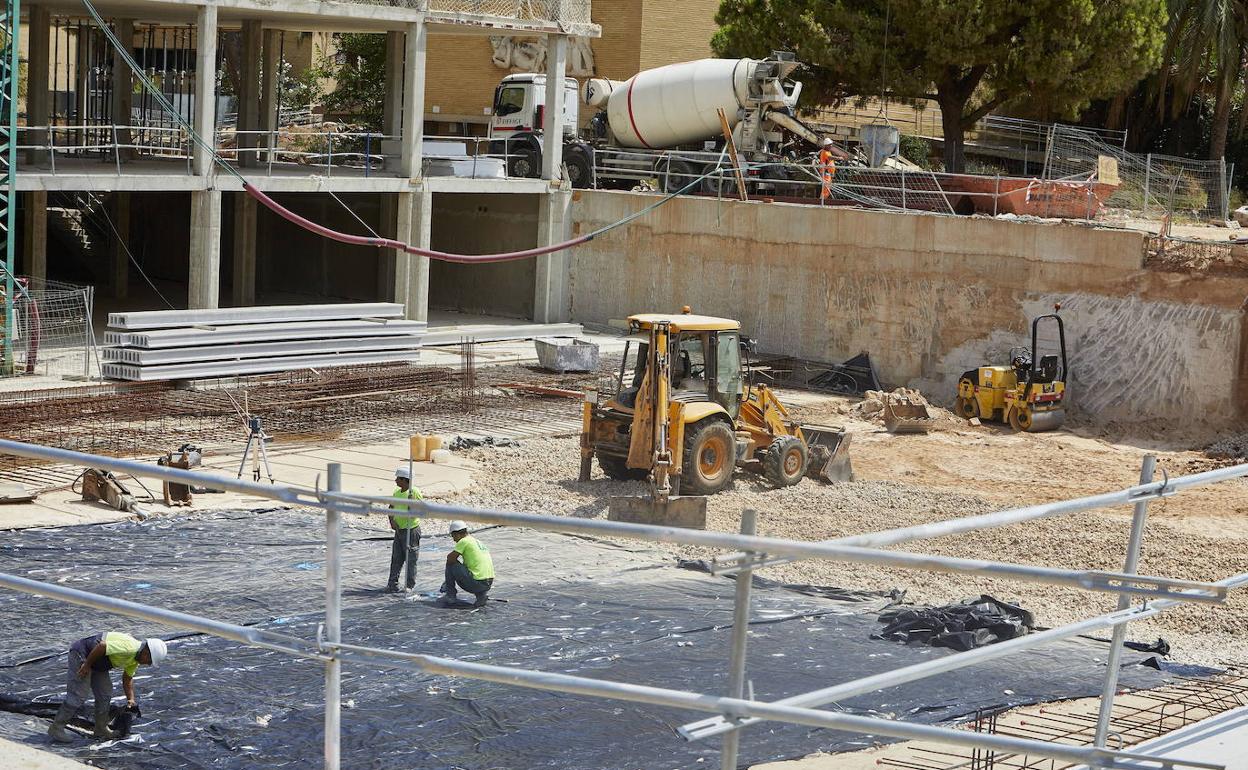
x,y
285,151
734,711
53,333
1149,185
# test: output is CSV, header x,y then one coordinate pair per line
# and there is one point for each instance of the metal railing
x,y
734,711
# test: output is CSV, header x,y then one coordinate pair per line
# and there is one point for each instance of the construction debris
x,y
962,626
906,414
852,378
566,355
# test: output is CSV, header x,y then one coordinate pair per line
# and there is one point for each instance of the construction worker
x,y
90,659
405,549
827,169
468,566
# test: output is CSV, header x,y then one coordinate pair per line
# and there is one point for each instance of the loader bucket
x,y
905,416
688,512
828,448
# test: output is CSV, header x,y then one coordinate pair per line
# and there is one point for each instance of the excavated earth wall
x,y
1150,341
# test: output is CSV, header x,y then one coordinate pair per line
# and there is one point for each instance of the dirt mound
x,y
871,408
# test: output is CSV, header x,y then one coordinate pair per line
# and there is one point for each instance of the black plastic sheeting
x,y
962,626
572,605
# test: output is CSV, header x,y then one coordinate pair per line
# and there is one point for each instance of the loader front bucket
x,y
828,448
905,416
688,512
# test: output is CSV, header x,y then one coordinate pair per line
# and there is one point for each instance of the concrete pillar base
x,y
552,299
204,285
244,278
35,235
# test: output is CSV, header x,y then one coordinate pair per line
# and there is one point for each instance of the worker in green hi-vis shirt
x,y
90,660
406,546
469,567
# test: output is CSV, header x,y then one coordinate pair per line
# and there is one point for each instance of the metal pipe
x,y
738,707
1138,518
380,506
252,636
1155,490
740,635
333,622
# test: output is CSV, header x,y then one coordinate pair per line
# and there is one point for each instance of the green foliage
x,y
359,69
915,149
971,56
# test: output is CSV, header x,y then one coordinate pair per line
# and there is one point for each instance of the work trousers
x,y
404,549
457,574
99,683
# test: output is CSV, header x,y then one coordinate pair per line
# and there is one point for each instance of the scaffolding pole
x,y
10,27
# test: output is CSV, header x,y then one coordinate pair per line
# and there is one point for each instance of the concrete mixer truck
x,y
663,124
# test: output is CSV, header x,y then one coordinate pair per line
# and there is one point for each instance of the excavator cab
x,y
682,418
1029,394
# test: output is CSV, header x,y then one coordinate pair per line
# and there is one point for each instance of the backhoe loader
x,y
684,418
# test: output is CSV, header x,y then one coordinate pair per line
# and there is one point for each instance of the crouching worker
x,y
469,567
90,660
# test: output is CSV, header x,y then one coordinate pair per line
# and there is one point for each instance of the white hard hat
x,y
157,649
458,526
403,473
827,142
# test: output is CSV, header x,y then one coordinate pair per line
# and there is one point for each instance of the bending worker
x,y
474,573
89,662
406,546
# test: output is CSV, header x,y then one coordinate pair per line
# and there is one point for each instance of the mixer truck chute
x,y
663,123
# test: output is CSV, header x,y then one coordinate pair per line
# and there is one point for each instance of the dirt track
x,y
1201,534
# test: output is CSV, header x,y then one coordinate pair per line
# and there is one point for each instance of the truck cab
x,y
520,105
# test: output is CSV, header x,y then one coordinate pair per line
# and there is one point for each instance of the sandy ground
x,y
902,480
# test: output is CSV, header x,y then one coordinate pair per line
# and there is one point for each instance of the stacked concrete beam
x,y
188,344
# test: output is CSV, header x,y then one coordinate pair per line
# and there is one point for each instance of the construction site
x,y
685,424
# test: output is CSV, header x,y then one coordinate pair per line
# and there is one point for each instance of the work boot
x,y
101,722
57,731
482,598
392,589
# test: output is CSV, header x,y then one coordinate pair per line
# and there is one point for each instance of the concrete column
x,y
203,288
392,107
249,92
120,205
206,93
411,272
552,121
552,300
37,94
244,282
123,86
411,155
388,221
269,107
35,234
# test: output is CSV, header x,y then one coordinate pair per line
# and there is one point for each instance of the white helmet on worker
x,y
157,649
458,526
827,141
403,473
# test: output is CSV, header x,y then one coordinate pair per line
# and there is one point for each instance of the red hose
x,y
390,243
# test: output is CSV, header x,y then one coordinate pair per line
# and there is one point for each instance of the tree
x,y
358,68
1205,48
969,56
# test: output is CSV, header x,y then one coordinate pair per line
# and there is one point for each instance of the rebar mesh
x,y
53,333
563,11
1149,184
886,188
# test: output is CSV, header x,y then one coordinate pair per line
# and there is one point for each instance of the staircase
x,y
79,221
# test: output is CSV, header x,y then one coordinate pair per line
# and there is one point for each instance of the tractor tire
x,y
710,456
1020,420
616,467
785,461
966,408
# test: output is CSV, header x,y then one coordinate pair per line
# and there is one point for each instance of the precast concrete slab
x,y
169,319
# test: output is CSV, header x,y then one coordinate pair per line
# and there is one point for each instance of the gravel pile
x,y
540,476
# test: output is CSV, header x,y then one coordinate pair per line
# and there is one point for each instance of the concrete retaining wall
x,y
483,224
929,297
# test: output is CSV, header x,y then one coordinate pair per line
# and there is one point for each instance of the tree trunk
x,y
1222,114
955,140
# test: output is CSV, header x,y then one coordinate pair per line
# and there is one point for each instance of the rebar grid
x,y
1167,708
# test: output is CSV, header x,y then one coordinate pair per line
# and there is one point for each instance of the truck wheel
x,y
710,456
675,175
721,182
580,168
784,462
525,162
616,467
